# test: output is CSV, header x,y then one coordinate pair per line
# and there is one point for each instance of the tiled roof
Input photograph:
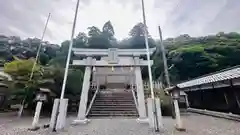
x,y
215,77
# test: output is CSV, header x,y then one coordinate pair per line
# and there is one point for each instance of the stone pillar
x,y
155,122
179,125
177,111
140,95
81,118
37,114
150,112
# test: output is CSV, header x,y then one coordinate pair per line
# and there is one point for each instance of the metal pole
x,y
40,46
147,49
35,62
69,51
149,68
164,58
67,64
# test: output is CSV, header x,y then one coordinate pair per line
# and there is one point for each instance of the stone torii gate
x,y
111,58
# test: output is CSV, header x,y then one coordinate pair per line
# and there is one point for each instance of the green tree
x,y
23,88
137,39
81,41
96,39
108,30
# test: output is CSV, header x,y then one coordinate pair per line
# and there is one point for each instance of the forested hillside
x,y
195,56
188,57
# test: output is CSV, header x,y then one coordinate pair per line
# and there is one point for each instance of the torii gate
x,y
115,58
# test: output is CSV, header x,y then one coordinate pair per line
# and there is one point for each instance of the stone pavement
x,y
196,125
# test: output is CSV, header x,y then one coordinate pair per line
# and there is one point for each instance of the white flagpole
x,y
69,51
35,62
155,118
147,49
59,115
40,46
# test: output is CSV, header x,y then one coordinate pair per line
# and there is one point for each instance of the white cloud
x,y
26,18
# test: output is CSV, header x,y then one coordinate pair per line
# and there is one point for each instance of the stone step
x,y
115,97
115,115
114,106
113,109
106,100
128,97
112,112
116,103
115,94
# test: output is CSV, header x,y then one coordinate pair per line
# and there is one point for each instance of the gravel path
x,y
194,123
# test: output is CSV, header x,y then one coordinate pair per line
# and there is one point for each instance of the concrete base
x,y
142,120
79,122
62,114
150,112
159,113
54,114
151,115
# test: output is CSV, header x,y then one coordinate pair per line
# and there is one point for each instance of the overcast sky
x,y
26,18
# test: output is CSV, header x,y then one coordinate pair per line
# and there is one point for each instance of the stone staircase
x,y
114,104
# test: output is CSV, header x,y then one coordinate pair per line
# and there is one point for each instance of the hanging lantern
x,y
131,68
94,69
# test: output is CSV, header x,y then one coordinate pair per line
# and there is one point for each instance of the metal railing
x,y
93,98
134,97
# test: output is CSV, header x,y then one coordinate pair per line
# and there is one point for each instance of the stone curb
x,y
228,116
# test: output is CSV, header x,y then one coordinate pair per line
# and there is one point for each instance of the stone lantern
x,y
175,93
42,95
40,98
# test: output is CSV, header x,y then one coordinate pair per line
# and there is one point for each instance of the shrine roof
x,y
105,52
222,75
213,78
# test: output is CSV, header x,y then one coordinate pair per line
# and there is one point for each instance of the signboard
x,y
112,56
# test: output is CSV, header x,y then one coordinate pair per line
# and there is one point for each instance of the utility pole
x,y
175,101
164,58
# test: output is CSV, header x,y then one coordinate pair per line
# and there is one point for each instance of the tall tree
x,y
108,30
96,39
81,41
137,30
94,31
137,39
